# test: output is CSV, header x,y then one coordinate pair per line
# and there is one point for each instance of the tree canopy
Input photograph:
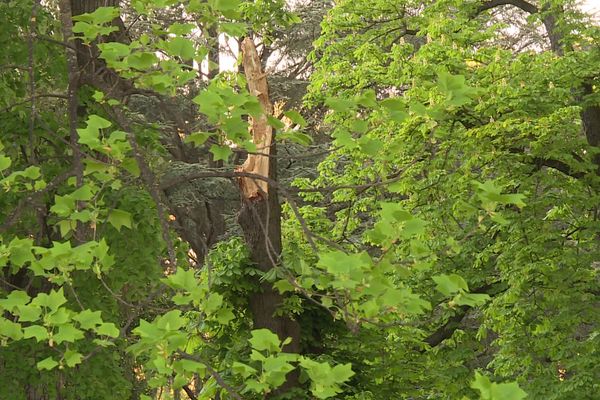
x,y
379,200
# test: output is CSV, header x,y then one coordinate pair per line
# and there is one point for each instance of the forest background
x,y
382,200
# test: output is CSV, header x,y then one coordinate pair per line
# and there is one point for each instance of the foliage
x,y
446,247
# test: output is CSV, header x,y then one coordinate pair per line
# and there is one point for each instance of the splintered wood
x,y
262,132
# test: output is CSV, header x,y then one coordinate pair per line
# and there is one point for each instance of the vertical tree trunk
x,y
260,217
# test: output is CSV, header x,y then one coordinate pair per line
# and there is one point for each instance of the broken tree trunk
x,y
260,216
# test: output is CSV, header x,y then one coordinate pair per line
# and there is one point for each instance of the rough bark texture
x,y
260,217
262,132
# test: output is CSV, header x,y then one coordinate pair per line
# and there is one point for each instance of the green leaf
x,y
339,104
449,284
224,316
342,372
4,162
367,99
101,15
84,193
296,137
72,358
181,29
112,51
29,313
497,391
68,333
283,286
141,61
243,370
370,146
107,329
226,5
119,218
36,331
16,298
234,29
295,117
47,363
10,329
88,319
181,47
275,123
183,279
264,339
471,299
97,122
213,303
220,152
52,300
170,321
418,108
198,138
21,251
58,317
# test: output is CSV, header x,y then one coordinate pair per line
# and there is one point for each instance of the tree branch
x,y
522,4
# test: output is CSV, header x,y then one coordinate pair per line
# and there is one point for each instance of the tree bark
x,y
260,216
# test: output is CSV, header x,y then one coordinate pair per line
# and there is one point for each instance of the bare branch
x,y
522,4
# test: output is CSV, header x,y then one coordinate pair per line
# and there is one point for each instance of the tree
x,y
449,234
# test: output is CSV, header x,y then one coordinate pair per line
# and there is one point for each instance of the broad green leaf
x,y
234,29
47,364
183,279
242,369
226,5
141,61
213,303
68,333
52,300
72,358
275,123
181,29
171,321
36,331
198,138
283,286
295,117
449,284
497,391
112,51
119,218
16,298
220,152
107,329
101,15
83,193
296,137
471,299
4,162
224,316
29,313
21,251
180,47
339,104
264,340
10,329
88,319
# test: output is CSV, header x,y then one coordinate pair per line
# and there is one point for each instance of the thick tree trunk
x,y
260,217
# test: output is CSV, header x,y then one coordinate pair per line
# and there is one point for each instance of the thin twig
x,y
218,378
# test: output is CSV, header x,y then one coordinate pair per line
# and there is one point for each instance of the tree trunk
x,y
260,217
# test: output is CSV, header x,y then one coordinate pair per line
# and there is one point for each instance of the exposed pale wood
x,y
262,132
